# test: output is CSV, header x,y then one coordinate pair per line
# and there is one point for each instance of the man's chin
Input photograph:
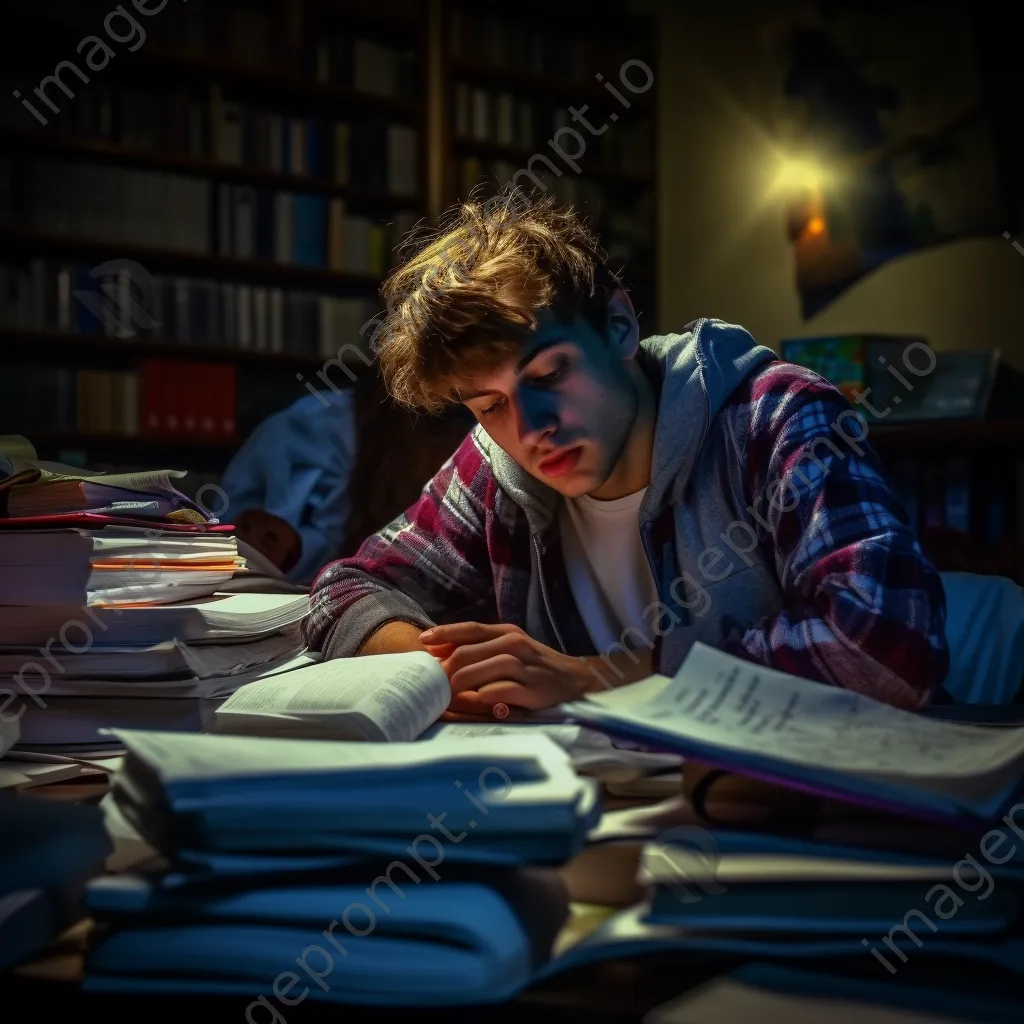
x,y
573,485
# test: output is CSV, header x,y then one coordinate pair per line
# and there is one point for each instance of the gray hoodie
x,y
695,506
431,565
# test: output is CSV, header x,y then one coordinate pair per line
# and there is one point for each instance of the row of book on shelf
x,y
327,52
944,496
162,398
493,39
123,301
371,153
485,115
246,36
186,214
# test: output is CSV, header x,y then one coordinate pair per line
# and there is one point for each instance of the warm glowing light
x,y
816,226
799,173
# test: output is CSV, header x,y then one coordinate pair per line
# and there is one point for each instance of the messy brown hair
x,y
468,294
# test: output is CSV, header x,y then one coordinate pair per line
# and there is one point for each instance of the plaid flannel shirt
x,y
863,608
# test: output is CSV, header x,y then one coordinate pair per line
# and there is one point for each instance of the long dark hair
x,y
397,452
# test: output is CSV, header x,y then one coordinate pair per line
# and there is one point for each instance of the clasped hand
x,y
492,664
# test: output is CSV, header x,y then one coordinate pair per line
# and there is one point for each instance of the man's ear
x,y
622,328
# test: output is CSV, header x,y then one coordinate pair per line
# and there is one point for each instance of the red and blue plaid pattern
x,y
864,609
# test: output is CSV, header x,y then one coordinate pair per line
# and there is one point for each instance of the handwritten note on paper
x,y
717,698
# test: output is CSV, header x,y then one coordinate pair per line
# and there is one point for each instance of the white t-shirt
x,y
608,571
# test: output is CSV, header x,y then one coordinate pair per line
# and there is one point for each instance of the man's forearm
x,y
394,638
607,671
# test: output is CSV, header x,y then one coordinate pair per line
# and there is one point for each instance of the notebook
x,y
732,714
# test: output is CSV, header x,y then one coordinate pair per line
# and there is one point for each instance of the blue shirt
x,y
297,465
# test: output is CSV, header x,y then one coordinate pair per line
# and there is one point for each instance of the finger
x,y
469,708
491,670
508,692
483,716
440,651
515,644
464,633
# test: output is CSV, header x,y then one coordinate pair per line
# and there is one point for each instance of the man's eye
x,y
552,376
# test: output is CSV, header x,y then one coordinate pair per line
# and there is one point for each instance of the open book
x,y
758,721
399,697
382,697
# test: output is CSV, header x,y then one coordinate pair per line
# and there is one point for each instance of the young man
x,y
621,498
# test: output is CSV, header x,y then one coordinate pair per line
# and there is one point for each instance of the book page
x,y
403,694
719,699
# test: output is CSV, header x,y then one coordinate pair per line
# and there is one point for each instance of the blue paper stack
x,y
390,873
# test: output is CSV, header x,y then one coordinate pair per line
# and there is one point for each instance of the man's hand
x,y
488,664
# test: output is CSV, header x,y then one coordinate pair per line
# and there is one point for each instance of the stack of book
x,y
163,397
69,671
119,597
48,852
895,835
348,858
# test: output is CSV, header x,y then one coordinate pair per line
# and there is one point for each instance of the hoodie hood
x,y
693,375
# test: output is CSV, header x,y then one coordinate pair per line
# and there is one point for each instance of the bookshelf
x,y
962,483
511,81
228,195
219,206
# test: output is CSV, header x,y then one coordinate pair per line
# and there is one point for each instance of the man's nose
x,y
536,416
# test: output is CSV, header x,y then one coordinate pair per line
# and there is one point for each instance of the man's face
x,y
563,407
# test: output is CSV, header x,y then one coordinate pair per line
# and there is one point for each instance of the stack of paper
x,y
38,489
48,852
417,861
115,565
202,796
807,736
592,753
69,672
917,854
798,887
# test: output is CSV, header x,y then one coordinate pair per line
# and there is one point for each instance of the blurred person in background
x,y
316,478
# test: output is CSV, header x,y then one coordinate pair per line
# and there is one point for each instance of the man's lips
x,y
561,462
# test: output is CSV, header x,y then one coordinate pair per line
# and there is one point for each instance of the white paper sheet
x,y
719,699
